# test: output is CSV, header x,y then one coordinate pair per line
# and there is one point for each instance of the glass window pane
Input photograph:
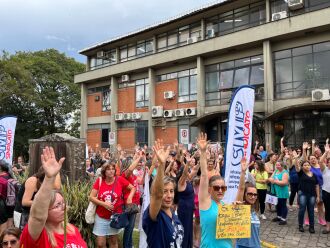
x,y
193,71
241,19
184,86
283,70
146,92
303,67
226,24
161,41
123,54
301,50
193,97
172,39
131,51
212,81
284,90
321,67
257,75
241,77
283,54
257,59
183,73
210,68
149,46
325,46
242,62
227,65
139,93
226,79
193,84
140,49
183,35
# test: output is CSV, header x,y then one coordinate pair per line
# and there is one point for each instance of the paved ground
x,y
289,236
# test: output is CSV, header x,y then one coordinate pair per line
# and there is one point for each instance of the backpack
x,y
13,187
3,188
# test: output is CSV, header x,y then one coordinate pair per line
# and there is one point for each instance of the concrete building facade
x,y
180,74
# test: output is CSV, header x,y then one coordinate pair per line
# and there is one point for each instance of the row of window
x,y
297,72
235,20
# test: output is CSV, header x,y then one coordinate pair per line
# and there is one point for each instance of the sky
x,y
72,25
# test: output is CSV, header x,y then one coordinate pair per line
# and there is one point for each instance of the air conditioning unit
x,y
124,78
210,33
127,116
190,111
136,116
319,95
279,15
179,112
119,117
295,4
169,95
192,40
157,111
100,54
168,113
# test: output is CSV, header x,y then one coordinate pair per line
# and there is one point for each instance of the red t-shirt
x,y
105,194
133,180
72,240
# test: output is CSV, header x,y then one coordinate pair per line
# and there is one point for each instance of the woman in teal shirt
x,y
280,182
211,193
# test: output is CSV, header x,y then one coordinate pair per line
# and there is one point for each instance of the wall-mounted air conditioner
x,y
157,111
295,4
179,112
169,94
127,116
124,78
190,111
192,40
119,117
168,113
136,116
319,95
210,33
279,15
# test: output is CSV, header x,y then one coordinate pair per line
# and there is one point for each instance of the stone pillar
x,y
83,111
114,105
268,13
200,87
88,63
269,90
152,85
203,29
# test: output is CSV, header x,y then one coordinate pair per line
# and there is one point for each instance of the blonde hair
x,y
69,228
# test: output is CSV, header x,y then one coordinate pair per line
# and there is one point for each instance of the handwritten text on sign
x,y
233,222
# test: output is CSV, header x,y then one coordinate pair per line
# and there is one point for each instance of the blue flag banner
x,y
239,137
7,133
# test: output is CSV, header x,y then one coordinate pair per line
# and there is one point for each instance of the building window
x,y
309,5
106,100
141,93
222,79
105,138
187,85
300,70
141,133
241,18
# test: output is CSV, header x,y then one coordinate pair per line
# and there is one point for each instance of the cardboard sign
x,y
233,222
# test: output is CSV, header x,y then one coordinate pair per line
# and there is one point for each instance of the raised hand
x,y
202,141
49,163
305,145
244,164
326,148
160,151
313,141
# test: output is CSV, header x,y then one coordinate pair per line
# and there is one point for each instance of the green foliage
x,y
38,88
76,195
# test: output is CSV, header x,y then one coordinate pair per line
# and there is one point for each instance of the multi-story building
x,y
180,74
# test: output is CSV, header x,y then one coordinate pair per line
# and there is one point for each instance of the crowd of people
x,y
187,187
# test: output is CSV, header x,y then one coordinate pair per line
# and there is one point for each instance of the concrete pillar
x,y
203,29
117,55
268,13
114,106
200,87
88,63
83,113
154,43
269,90
152,86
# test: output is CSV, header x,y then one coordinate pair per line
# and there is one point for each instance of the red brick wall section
x,y
126,100
168,134
94,108
126,138
93,138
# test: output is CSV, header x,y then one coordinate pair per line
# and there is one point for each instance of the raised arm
x,y
157,188
134,164
304,151
313,147
282,144
153,164
183,179
256,148
40,205
323,159
241,186
204,197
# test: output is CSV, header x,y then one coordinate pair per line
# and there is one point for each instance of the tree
x,y
38,88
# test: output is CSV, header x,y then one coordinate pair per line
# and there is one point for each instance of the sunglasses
x,y
217,188
11,242
252,194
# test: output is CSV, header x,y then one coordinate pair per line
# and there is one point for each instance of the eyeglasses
x,y
11,242
60,205
217,188
252,194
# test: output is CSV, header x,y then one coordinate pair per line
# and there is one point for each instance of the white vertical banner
x,y
146,202
239,137
7,134
112,138
184,136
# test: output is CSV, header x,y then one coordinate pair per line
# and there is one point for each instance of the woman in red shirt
x,y
45,227
107,195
